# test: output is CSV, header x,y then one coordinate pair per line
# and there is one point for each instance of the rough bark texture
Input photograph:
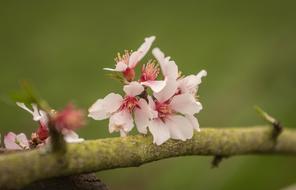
x,y
22,168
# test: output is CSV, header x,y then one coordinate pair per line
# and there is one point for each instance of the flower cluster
x,y
65,121
168,112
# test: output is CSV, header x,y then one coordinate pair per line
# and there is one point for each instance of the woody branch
x,y
22,168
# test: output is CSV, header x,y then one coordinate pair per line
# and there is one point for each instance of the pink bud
x,y
69,118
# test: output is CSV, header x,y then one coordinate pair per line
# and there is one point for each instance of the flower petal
x,y
190,83
71,137
102,108
180,127
142,116
141,52
168,68
9,142
22,140
185,104
168,91
120,67
159,131
121,121
156,86
194,122
133,89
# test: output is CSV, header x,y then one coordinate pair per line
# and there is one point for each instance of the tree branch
x,y
22,168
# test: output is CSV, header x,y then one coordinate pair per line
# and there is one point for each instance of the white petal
x,y
23,106
180,127
171,70
36,114
159,131
71,137
194,122
120,67
167,92
190,83
159,56
121,121
156,86
22,140
142,116
134,59
103,108
144,48
168,68
185,104
133,89
97,111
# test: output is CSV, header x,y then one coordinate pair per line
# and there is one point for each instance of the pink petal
x,y
142,116
133,89
156,86
9,142
185,104
193,121
144,48
103,108
168,91
159,131
180,127
120,67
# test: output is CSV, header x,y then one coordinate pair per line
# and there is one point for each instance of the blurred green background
x,y
247,47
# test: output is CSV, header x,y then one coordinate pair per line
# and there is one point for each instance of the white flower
x,y
175,118
16,142
120,110
38,115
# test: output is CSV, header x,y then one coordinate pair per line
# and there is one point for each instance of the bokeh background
x,y
247,47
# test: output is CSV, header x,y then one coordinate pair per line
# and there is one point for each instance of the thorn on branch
x,y
277,126
217,160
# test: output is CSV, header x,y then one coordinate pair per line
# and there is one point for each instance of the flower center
x,y
150,71
163,110
129,74
129,102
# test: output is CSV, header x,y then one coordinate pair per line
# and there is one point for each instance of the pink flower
x,y
120,110
189,84
16,142
69,118
127,62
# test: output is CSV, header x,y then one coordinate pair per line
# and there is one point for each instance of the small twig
x,y
278,128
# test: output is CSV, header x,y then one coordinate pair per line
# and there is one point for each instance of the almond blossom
x,y
120,110
43,130
16,142
189,84
127,62
168,113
